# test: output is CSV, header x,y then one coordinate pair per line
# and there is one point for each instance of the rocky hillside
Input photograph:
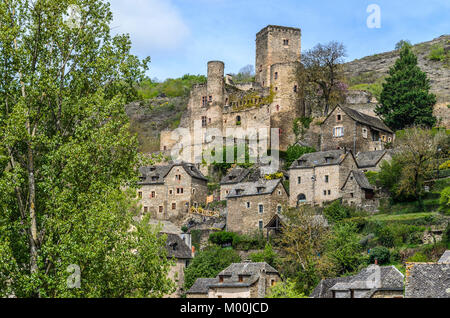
x,y
371,69
149,118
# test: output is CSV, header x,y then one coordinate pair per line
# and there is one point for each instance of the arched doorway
x,y
301,198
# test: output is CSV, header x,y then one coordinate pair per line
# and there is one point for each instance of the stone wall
x,y
243,220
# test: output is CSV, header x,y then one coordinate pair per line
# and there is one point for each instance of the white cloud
x,y
152,24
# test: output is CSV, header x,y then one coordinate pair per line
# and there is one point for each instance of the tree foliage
x,y
209,263
66,156
285,289
321,77
295,152
405,100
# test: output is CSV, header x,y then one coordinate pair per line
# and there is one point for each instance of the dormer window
x,y
241,278
260,189
328,159
220,279
239,191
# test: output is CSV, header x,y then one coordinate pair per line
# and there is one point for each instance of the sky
x,y
181,36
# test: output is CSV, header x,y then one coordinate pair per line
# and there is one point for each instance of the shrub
x,y
209,263
336,212
223,238
385,236
418,258
437,54
285,289
268,255
445,201
381,254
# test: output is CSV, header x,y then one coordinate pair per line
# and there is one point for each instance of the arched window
x,y
301,198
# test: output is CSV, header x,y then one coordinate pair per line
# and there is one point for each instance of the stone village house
x,y
239,280
357,191
346,128
167,192
316,178
372,282
235,176
251,205
181,253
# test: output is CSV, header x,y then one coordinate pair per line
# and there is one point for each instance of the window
x,y
272,282
193,191
248,205
285,42
174,206
180,190
209,121
327,179
276,75
299,180
329,192
220,279
352,195
295,88
165,148
279,192
241,279
238,120
364,132
178,177
152,195
383,138
278,108
324,192
389,139
140,195
161,209
210,98
276,89
204,119
261,209
170,191
261,225
339,117
145,209
279,208
338,131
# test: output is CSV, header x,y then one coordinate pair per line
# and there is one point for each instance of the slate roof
x,y
361,180
155,174
323,290
235,270
236,175
323,158
260,187
428,280
176,247
370,159
445,257
390,279
201,285
371,121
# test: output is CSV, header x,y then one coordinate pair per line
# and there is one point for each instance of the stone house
x,y
181,254
235,176
317,178
251,205
428,280
346,128
357,191
372,282
372,160
168,192
239,280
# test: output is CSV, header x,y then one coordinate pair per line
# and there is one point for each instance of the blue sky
x,y
181,36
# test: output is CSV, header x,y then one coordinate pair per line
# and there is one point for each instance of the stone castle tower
x,y
278,54
270,102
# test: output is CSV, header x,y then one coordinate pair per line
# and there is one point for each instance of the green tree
x,y
445,201
66,156
336,212
405,100
344,249
295,152
268,255
209,263
285,289
380,254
